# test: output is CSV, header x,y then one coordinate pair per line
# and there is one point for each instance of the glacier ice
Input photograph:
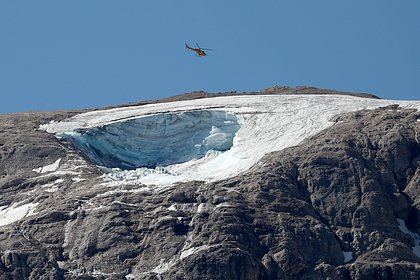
x,y
157,140
267,123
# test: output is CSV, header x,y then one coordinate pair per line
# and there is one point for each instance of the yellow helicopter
x,y
199,51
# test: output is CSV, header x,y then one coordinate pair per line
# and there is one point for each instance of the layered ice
x,y
205,139
157,140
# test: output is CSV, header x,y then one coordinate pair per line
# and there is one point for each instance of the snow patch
x,y
192,251
183,207
203,208
222,205
164,266
52,187
124,203
14,213
77,179
48,168
100,273
415,236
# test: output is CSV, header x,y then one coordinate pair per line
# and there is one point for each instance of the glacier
x,y
158,140
236,133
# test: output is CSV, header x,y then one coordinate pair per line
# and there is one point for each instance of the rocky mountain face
x,y
345,204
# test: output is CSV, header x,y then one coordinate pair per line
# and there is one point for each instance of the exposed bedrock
x,y
342,205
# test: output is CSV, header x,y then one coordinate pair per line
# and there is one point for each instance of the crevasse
x,y
157,140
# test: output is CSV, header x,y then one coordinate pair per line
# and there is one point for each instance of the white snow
x,y
59,168
14,213
203,208
193,250
415,236
267,123
53,186
78,179
164,266
223,205
80,272
348,256
48,168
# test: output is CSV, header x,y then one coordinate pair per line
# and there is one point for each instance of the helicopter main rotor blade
x,y
202,48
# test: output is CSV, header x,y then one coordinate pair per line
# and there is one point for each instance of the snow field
x,y
15,212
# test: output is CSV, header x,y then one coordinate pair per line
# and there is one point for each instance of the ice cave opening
x,y
157,140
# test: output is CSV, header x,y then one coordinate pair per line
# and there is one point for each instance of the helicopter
x,y
199,51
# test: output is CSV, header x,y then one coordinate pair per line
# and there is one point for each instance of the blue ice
x,y
157,140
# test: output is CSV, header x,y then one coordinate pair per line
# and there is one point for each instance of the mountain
x,y
285,183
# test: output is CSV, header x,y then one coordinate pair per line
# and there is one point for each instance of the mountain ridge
x,y
204,94
303,90
333,206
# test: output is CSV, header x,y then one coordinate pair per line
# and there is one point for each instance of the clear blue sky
x,y
88,53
